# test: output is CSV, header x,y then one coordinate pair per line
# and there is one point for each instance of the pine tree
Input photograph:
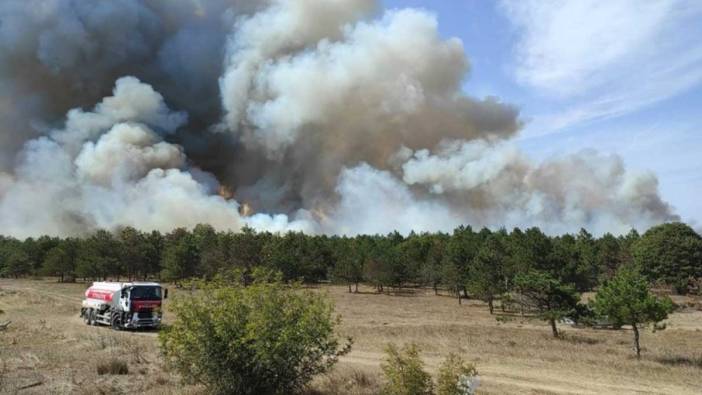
x,y
625,299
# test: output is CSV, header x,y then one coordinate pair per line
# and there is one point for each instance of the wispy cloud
x,y
603,59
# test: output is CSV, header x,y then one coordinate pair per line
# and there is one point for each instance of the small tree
x,y
58,263
453,277
404,372
456,377
485,274
266,338
551,299
625,299
349,263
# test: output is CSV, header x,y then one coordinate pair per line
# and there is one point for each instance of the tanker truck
x,y
124,305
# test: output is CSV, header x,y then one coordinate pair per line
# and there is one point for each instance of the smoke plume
x,y
321,116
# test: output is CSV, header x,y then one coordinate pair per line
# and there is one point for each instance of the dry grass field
x,y
48,349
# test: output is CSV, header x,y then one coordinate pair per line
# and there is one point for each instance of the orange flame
x,y
225,192
319,214
245,210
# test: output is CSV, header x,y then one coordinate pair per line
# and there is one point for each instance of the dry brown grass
x,y
47,343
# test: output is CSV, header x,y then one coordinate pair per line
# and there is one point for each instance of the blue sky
x,y
620,77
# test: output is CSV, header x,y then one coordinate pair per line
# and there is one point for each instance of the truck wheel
x,y
116,322
92,317
86,316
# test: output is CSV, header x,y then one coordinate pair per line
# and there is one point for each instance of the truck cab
x,y
141,305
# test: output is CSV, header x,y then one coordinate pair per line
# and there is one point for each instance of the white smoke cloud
x,y
126,153
131,101
374,201
377,70
283,27
494,185
129,176
460,166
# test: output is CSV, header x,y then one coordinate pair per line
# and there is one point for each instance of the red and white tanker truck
x,y
124,305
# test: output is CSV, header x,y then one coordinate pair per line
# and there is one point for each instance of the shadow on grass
x,y
404,292
681,360
578,339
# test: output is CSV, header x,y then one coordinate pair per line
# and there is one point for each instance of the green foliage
x,y
551,299
266,338
430,271
99,256
139,253
298,256
456,377
181,256
462,261
16,264
610,256
349,260
625,299
486,279
572,260
404,372
58,263
671,253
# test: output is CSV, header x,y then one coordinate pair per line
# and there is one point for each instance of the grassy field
x,y
48,349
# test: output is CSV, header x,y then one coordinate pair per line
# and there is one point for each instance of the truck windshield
x,y
146,293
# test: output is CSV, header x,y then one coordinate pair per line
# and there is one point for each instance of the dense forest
x,y
466,262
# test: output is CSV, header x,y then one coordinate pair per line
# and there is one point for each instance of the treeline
x,y
465,262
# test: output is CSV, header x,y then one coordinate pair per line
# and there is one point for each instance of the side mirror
x,y
165,293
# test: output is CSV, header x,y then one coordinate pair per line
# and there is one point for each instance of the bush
x,y
113,366
456,377
404,372
266,338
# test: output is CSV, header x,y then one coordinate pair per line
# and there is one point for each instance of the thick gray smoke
x,y
322,116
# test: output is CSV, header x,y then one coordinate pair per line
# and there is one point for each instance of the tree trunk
x,y
458,293
436,289
356,289
490,306
637,347
553,327
349,287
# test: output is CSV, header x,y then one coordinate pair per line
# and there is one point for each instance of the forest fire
x,y
225,192
245,210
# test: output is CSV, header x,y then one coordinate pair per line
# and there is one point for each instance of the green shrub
x,y
456,377
404,372
266,338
